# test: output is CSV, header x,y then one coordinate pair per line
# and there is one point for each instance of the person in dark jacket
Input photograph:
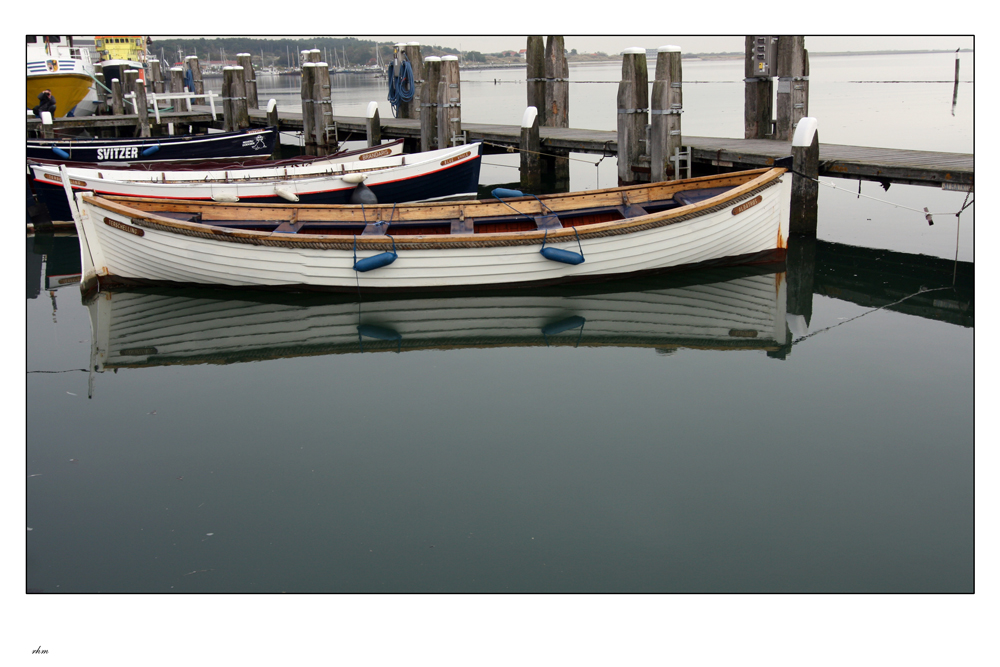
x,y
45,103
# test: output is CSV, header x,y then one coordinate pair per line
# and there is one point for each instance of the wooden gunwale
x,y
747,184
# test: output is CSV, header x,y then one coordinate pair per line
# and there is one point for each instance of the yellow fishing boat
x,y
54,64
120,52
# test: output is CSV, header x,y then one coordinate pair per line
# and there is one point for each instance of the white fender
x,y
285,193
354,178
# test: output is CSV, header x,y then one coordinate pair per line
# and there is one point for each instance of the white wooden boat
x,y
393,177
725,219
733,308
45,180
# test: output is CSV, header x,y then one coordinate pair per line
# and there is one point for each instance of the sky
x,y
688,43
612,45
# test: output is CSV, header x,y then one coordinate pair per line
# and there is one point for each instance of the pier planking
x,y
886,165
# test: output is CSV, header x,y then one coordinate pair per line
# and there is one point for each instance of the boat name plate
x,y
461,156
73,181
125,228
747,204
381,153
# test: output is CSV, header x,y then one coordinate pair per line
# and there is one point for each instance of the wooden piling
x,y
633,113
117,98
805,185
411,109
428,103
195,67
665,107
374,127
176,82
758,107
322,109
249,78
556,83
791,102
535,61
234,99
156,75
306,95
142,107
273,121
449,103
48,131
102,90
531,165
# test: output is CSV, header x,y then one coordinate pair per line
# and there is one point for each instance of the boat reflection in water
x,y
725,309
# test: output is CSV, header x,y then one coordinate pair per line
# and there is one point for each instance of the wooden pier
x,y
885,165
648,142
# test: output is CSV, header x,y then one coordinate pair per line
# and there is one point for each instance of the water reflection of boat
x,y
722,309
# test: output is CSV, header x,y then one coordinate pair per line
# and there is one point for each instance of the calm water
x,y
714,432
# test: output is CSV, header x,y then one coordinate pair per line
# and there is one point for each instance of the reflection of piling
x,y
800,267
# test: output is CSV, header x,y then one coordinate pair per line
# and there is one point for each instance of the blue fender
x,y
564,256
375,261
60,152
146,152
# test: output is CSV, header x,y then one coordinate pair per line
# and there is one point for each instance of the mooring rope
x,y
927,214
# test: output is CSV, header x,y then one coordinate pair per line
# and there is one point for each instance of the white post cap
x,y
633,50
528,119
804,132
669,48
432,59
271,104
372,108
449,57
46,118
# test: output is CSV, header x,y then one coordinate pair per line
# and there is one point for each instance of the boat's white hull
x,y
308,182
120,248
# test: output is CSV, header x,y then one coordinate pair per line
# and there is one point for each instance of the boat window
x,y
53,39
32,39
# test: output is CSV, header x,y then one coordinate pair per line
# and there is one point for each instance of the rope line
x,y
924,211
514,149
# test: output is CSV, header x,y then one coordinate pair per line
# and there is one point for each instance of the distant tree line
x,y
281,52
